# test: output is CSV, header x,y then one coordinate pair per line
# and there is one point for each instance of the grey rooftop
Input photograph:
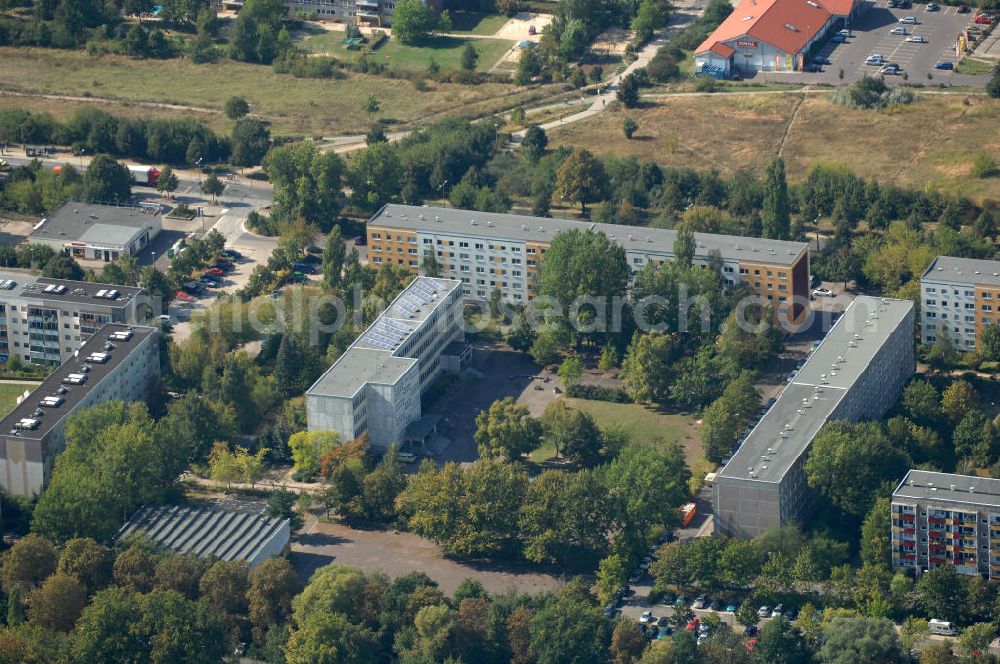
x,y
74,394
205,531
29,286
970,271
86,222
804,406
491,225
927,486
375,357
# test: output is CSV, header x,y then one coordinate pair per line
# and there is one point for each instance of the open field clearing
x,y
928,143
445,51
295,106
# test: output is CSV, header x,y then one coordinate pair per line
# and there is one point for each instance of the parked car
x,y
899,30
360,241
963,9
933,7
893,3
304,267
909,20
917,39
214,272
646,618
208,282
680,601
231,254
904,4
764,612
890,69
703,628
826,292
751,630
792,614
732,607
717,605
406,457
693,624
777,611
844,33
838,39
944,65
665,631
873,59
984,19
699,602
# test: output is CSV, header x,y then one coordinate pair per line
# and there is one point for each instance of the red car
x,y
214,272
224,261
984,19
184,297
751,644
693,624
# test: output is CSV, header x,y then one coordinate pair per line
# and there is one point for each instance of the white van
x,y
942,627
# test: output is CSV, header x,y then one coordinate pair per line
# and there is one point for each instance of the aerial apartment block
x,y
856,373
376,13
44,321
946,519
99,232
374,388
959,297
115,364
489,251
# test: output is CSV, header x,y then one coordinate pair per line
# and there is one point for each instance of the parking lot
x,y
870,34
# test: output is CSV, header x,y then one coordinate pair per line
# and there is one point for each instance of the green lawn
x,y
974,66
476,23
8,396
446,51
644,426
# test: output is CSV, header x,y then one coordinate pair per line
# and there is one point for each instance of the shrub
x,y
598,393
983,165
872,93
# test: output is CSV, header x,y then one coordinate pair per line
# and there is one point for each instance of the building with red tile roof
x,y
769,35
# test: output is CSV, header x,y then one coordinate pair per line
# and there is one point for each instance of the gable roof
x,y
722,49
786,24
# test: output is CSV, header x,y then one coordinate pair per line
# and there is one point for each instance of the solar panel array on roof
x,y
205,531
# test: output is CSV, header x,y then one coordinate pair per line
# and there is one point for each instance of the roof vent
x,y
524,227
791,27
541,229
972,489
976,272
490,224
952,487
472,222
437,218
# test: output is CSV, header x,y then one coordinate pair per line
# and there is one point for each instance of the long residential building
x,y
490,251
856,373
374,388
946,519
44,321
117,363
959,297
376,13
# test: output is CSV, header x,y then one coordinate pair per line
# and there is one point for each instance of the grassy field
x,y
643,425
974,66
62,109
8,396
925,144
294,106
476,23
446,51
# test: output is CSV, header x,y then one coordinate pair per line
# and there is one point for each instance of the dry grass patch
x,y
294,106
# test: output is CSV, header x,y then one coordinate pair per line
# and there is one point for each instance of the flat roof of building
x,y
206,530
65,290
89,223
803,407
971,271
74,394
524,228
375,357
849,346
924,485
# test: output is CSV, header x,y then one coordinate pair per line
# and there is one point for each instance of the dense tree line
x,y
93,131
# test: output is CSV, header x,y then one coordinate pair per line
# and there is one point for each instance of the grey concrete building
x,y
946,519
376,13
376,385
959,297
117,363
856,373
99,232
209,531
44,321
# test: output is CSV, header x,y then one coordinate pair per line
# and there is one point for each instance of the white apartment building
x,y
44,321
374,388
491,251
959,297
115,364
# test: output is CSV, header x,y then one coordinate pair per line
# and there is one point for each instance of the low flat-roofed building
x,y
116,364
374,388
490,251
99,232
946,519
44,321
211,532
856,373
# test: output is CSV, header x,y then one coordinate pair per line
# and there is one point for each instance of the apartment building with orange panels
x,y
490,251
959,297
946,519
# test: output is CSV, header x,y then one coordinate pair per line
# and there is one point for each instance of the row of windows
x,y
967,293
